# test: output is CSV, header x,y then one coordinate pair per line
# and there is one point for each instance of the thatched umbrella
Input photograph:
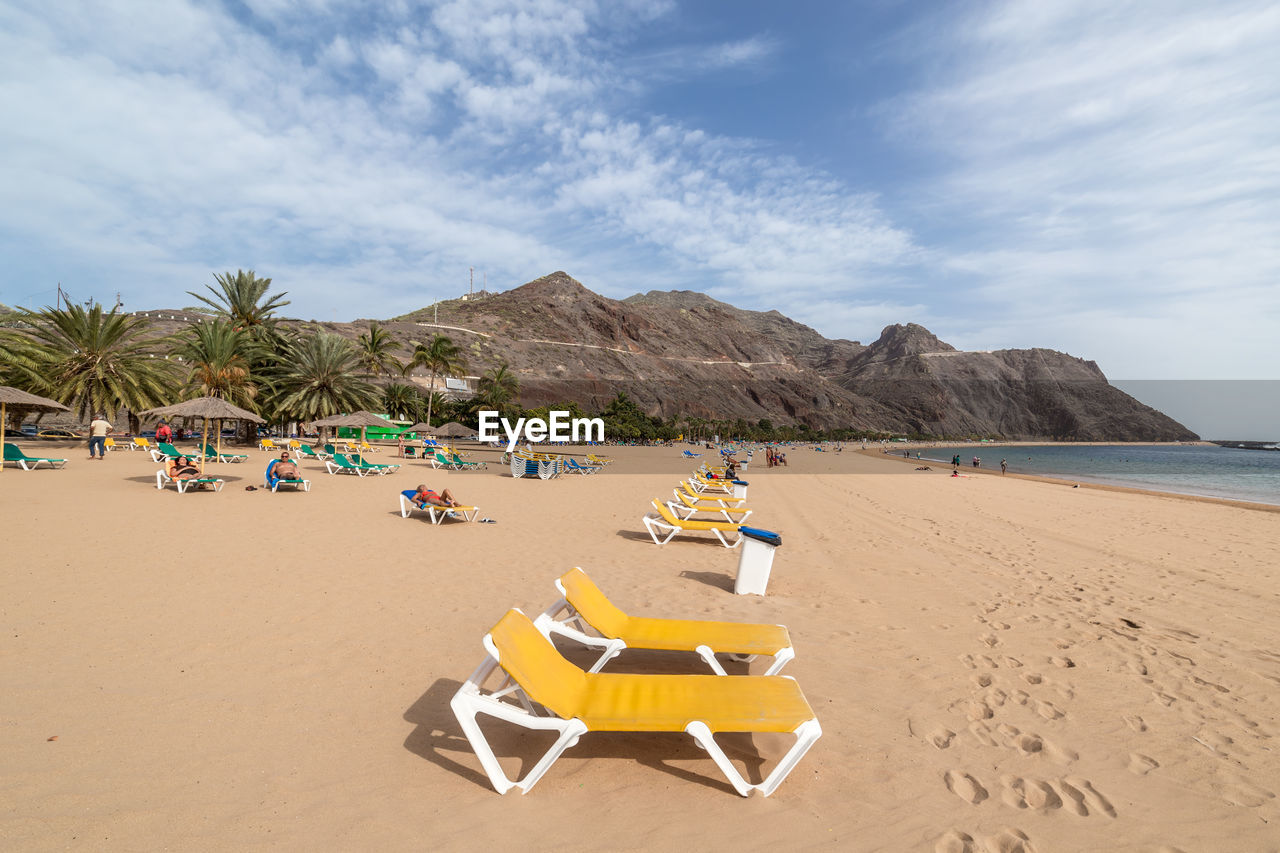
x,y
14,397
453,429
206,408
361,419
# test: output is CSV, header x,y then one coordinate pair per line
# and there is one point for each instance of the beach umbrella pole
x,y
3,429
204,444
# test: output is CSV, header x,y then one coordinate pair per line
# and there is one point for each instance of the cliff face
x,y
681,352
1034,393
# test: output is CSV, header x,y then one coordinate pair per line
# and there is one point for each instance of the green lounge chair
x,y
211,453
12,453
467,465
373,467
164,450
340,464
306,451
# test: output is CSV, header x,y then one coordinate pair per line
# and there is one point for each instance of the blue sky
x,y
1101,178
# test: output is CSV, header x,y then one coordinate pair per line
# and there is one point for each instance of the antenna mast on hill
x,y
471,288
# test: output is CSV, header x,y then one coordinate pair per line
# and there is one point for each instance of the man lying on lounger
x,y
284,468
425,496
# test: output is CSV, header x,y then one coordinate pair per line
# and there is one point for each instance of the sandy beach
x,y
998,664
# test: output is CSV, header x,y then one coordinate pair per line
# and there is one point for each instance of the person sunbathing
x,y
426,496
182,468
284,468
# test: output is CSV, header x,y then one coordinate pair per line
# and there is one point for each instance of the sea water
x,y
1212,471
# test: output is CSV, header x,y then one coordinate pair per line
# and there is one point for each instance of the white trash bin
x,y
740,489
755,562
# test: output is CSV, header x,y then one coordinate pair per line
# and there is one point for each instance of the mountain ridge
x,y
685,353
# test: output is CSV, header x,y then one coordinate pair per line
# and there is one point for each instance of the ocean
x,y
1211,471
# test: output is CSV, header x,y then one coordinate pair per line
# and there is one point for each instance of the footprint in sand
x,y
1048,710
979,710
1008,840
1032,677
982,733
1080,797
965,786
1136,723
1064,662
982,680
990,640
1141,765
941,738
1022,793
955,841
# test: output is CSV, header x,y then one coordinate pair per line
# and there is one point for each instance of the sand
x,y
998,664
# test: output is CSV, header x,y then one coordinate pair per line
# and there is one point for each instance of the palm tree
x,y
219,356
93,360
318,379
240,299
403,400
377,348
497,389
442,357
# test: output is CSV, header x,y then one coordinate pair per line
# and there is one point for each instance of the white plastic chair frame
x,y
657,525
574,627
184,486
332,467
274,483
437,514
681,509
470,701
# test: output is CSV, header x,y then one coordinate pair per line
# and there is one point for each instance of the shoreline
x,y
1082,483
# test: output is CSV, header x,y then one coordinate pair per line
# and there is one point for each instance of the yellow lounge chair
x,y
142,444
585,606
578,702
598,460
715,497
666,521
702,483
267,444
689,506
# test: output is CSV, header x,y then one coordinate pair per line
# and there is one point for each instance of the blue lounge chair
x,y
274,483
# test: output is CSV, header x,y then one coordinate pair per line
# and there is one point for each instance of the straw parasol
x,y
206,408
13,397
361,419
453,429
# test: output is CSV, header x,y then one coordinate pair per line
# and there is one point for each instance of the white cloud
x,y
1113,187
484,134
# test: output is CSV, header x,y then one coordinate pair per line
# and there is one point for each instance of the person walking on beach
x,y
98,431
164,433
955,462
1004,466
976,462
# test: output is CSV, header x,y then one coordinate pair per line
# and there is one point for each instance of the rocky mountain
x,y
684,353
